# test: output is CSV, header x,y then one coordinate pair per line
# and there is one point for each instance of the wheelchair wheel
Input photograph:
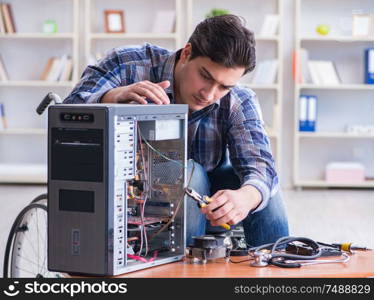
x,y
40,199
26,249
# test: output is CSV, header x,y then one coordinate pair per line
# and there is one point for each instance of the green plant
x,y
50,26
217,12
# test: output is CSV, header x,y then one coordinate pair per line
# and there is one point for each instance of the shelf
x,y
23,178
260,86
337,87
23,131
23,173
132,36
334,135
343,39
37,36
27,173
323,183
260,38
36,83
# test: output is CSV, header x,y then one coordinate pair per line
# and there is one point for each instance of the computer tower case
x,y
116,179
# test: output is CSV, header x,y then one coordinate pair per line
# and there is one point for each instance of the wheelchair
x,y
26,252
26,247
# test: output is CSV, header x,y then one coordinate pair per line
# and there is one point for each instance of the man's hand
x,y
139,92
232,206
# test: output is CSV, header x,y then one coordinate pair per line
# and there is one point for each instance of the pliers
x,y
202,202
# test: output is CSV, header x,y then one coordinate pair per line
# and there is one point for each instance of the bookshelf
x,y
23,144
98,42
339,105
267,47
81,34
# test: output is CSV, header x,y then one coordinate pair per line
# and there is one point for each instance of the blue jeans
x,y
262,227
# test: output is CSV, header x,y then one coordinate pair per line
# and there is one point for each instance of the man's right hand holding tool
x,y
203,201
232,206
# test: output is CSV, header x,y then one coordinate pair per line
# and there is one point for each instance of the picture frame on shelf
x,y
362,25
114,21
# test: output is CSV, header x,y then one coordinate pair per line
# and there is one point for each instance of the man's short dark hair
x,y
226,41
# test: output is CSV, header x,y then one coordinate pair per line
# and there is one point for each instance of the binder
x,y
3,123
303,107
312,113
369,66
308,113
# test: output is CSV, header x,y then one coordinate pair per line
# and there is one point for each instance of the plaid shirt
x,y
233,122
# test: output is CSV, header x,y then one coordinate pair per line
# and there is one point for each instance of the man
x,y
223,116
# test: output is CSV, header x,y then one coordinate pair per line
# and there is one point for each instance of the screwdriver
x,y
203,201
350,247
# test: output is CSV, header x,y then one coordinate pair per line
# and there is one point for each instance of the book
x,y
2,21
323,72
8,18
55,70
58,69
296,66
369,66
328,73
304,70
3,72
164,21
314,74
3,123
67,70
47,69
272,71
270,25
11,15
266,72
259,76
62,64
300,69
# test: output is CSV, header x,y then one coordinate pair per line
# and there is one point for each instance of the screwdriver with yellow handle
x,y
203,201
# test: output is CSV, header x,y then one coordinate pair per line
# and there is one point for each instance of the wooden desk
x,y
361,264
